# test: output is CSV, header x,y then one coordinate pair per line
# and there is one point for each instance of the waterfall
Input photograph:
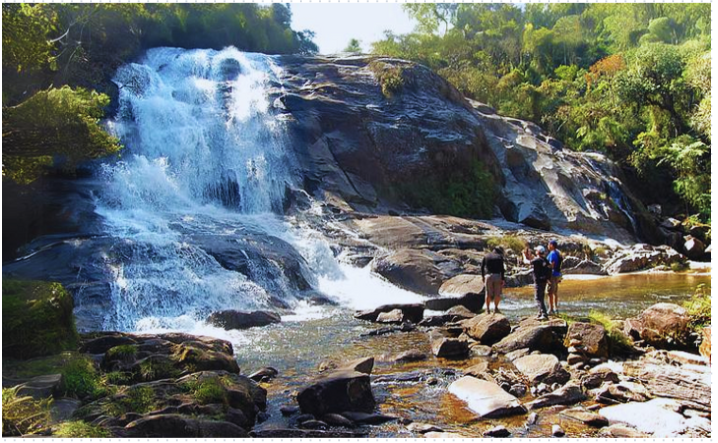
x,y
194,205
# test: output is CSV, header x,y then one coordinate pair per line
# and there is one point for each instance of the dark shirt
x,y
493,263
542,269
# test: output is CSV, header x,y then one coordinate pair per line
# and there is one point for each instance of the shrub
x,y
117,378
207,391
699,307
37,319
122,352
23,415
139,399
80,429
617,340
390,78
80,379
157,369
508,242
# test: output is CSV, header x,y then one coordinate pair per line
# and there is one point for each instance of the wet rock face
x,y
337,392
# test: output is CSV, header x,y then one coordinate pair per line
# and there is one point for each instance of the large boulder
x,y
663,325
487,328
461,285
411,312
417,270
593,339
542,368
37,319
337,392
179,426
231,319
472,301
485,398
537,337
694,247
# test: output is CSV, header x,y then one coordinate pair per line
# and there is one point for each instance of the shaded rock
x,y
405,327
313,424
582,267
454,314
301,418
588,418
497,432
367,418
518,390
594,379
105,342
423,428
288,410
62,409
337,420
514,355
485,398
472,301
540,368
662,325
448,347
574,359
695,249
535,338
43,386
479,370
412,312
622,431
479,350
593,338
657,417
410,356
338,392
264,374
177,426
231,319
487,328
566,395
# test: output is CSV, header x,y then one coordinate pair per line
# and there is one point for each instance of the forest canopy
x,y
58,60
628,80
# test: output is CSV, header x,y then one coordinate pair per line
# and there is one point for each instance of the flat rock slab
x,y
485,398
586,417
657,417
542,368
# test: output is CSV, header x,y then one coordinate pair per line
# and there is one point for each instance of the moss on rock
x,y
37,319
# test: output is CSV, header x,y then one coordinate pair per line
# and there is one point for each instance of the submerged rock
x,y
485,398
242,320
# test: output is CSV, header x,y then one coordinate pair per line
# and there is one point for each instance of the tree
x,y
354,46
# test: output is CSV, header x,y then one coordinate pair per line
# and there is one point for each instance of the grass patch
x,y
617,341
679,266
117,378
80,429
508,242
151,370
139,399
207,391
23,415
122,352
37,319
80,379
390,78
25,369
699,307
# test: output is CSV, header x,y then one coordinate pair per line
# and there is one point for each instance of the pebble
x,y
556,431
304,417
497,431
289,410
518,390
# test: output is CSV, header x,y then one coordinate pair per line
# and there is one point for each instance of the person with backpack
x,y
542,273
555,259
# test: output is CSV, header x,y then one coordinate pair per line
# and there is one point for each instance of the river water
x,y
206,155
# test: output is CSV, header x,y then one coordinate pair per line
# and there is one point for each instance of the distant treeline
x,y
629,80
58,60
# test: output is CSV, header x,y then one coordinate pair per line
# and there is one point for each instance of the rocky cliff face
x,y
365,150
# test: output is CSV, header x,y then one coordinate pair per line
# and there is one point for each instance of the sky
x,y
336,23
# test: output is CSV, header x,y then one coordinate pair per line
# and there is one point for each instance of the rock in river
x,y
338,392
448,347
569,394
542,368
231,319
485,398
532,337
412,312
593,339
488,329
661,325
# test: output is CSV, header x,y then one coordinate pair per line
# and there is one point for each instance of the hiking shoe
x,y
496,311
551,312
542,317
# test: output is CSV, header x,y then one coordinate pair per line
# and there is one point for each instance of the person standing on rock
x,y
542,273
492,271
555,259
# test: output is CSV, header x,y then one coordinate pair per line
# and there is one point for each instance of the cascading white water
x,y
205,155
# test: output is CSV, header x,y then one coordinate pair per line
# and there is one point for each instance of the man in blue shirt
x,y
555,259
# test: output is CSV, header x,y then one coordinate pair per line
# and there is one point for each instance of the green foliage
x,y
464,193
80,429
628,80
354,46
508,242
151,369
390,78
699,307
37,319
80,378
618,342
116,378
25,28
139,399
23,415
122,352
207,391
62,122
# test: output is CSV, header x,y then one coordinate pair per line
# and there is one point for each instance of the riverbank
x,y
414,389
